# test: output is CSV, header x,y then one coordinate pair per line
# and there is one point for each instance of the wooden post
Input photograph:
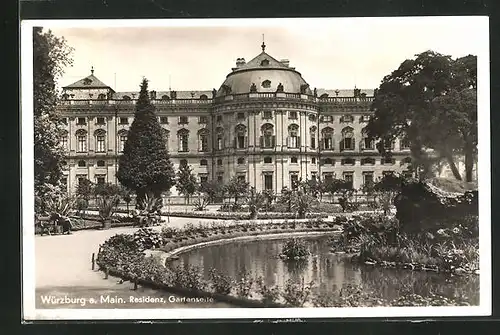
x,y
93,261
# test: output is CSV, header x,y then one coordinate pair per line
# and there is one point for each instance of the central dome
x,y
263,74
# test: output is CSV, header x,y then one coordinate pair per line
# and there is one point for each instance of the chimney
x,y
285,62
240,62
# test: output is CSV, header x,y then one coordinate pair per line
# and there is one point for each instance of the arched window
x,y
81,163
368,161
102,96
65,96
312,132
324,96
165,97
267,139
166,137
100,140
268,160
293,136
240,139
266,83
241,160
347,142
220,138
64,140
203,136
203,162
183,139
264,62
312,117
219,162
81,140
203,97
126,98
327,138
101,163
367,143
122,139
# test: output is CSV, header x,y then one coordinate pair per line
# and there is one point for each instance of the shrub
x,y
348,296
244,285
268,294
294,249
221,283
296,294
189,277
168,232
148,238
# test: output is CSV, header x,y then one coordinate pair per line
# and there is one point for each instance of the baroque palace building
x,y
264,125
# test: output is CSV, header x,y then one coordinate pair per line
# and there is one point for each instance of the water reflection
x,y
328,271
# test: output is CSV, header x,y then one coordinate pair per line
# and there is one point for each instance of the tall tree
x,y
186,182
145,165
237,188
50,56
432,102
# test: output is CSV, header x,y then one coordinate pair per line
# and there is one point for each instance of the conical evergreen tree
x,y
145,165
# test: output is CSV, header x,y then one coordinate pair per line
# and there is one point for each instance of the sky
x,y
337,53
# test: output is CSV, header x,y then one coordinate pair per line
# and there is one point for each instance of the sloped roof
x,y
88,82
256,63
160,94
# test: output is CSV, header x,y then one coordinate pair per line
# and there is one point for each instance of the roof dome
x,y
263,74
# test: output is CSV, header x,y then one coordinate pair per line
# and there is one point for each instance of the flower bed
x,y
378,240
241,215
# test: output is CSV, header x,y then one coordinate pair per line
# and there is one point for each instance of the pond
x,y
328,271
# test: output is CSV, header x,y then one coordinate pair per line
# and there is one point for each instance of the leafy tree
x,y
85,189
269,198
236,188
126,195
106,190
286,198
145,165
388,187
213,189
256,201
50,56
432,102
186,182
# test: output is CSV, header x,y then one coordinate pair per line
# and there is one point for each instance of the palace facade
x,y
264,125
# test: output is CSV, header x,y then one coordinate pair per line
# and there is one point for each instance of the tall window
x,y
203,119
327,138
268,181
81,121
203,140
220,138
267,140
240,139
183,120
183,137
294,180
404,143
312,131
367,143
64,140
349,177
100,179
293,138
81,141
166,137
122,139
100,140
347,139
367,178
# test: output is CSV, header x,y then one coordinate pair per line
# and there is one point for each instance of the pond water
x,y
328,271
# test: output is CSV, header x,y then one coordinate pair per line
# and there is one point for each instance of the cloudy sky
x,y
198,54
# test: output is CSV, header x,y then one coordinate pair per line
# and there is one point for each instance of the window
x,y
292,115
388,144
348,177
240,116
268,181
314,175
64,120
266,83
347,142
312,117
241,161
327,118
328,161
203,140
81,163
64,182
328,176
388,161
327,138
293,139
312,132
164,119
407,174
166,137
265,62
268,160
367,178
165,97
219,162
123,120
268,115
203,178
241,178
100,179
203,97
203,120
203,162
122,141
218,118
64,141
294,181
293,160
126,98
220,178
183,136
313,160
81,141
100,120
183,162
101,163
387,173
220,138
368,161
348,161
267,140
81,121
101,96
100,142
183,120
406,160
347,118
404,144
241,139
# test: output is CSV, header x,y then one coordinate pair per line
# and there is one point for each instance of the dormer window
x,y
165,97
265,62
101,96
266,83
203,97
87,81
126,98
